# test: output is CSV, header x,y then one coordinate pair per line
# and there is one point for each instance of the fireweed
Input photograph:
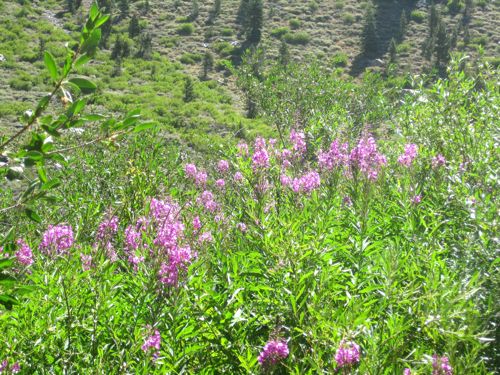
x,y
273,352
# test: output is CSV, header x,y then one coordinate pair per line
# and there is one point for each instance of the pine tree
x,y
434,18
403,25
214,12
73,5
106,7
393,51
442,47
284,58
134,28
370,35
469,4
145,46
255,18
188,90
195,10
208,63
242,11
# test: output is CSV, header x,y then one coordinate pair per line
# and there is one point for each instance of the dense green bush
x,y
185,29
297,38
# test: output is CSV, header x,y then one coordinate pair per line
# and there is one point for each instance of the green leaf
x,y
41,173
6,263
82,60
51,65
52,184
101,21
34,155
32,215
83,84
94,11
89,46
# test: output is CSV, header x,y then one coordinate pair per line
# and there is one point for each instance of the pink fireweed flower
x,y
135,260
441,366
304,184
190,170
416,199
86,261
347,354
24,255
238,177
152,342
407,371
196,223
298,142
57,239
438,161
336,156
16,368
260,159
285,180
178,260
107,228
242,149
365,158
220,183
205,237
260,143
273,352
132,238
3,365
222,166
201,178
241,227
411,152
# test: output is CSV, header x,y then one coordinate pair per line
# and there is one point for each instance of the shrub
x,y
348,18
226,31
295,23
279,31
418,16
297,38
403,47
185,29
340,59
191,58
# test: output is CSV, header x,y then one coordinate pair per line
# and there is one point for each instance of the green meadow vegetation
x,y
246,208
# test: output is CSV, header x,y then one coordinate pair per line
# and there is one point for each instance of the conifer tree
x,y
255,18
214,12
442,47
145,46
403,25
73,5
393,52
284,58
370,35
208,63
242,11
106,7
195,10
134,28
188,90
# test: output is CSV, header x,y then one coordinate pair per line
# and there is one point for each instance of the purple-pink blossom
x,y
220,183
347,354
336,156
366,158
223,166
438,161
241,227
57,239
190,170
242,149
298,140
152,342
410,153
260,159
238,177
416,199
86,261
196,223
273,352
107,228
407,371
441,365
24,255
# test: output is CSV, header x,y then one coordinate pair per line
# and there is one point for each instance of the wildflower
x,y
190,170
274,351
107,228
305,184
242,149
222,166
58,239
416,199
220,183
134,260
438,161
347,354
238,177
152,342
260,159
206,237
441,365
132,238
347,201
196,223
285,180
178,260
201,178
3,365
24,255
336,156
409,155
298,142
86,261
365,158
407,371
15,368
241,227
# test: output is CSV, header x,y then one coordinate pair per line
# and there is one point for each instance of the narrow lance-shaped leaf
x,y
51,65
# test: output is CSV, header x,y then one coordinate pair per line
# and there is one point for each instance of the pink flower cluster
x,y
24,255
14,369
304,184
298,140
107,228
274,351
152,342
260,158
336,156
347,354
441,365
410,154
438,161
57,239
223,166
199,177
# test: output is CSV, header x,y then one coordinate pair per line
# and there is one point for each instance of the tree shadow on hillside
x,y
387,19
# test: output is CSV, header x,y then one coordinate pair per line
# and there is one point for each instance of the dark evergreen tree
x,y
242,12
255,19
188,90
393,51
124,7
403,25
195,10
208,63
121,48
73,5
370,35
442,47
434,18
284,58
134,28
469,4
214,12
145,46
106,7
